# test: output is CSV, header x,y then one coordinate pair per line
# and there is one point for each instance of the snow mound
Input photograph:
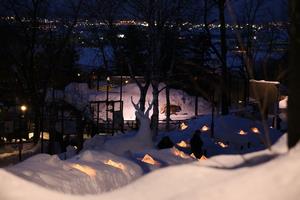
x,y
87,173
259,175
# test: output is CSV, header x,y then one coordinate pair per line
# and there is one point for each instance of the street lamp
x,y
23,108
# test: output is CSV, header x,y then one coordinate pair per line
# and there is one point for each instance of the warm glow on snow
x,y
242,132
115,164
180,154
149,160
255,130
183,144
221,144
202,157
85,169
183,126
205,128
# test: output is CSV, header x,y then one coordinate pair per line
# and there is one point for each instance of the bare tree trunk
x,y
294,72
224,99
168,111
155,115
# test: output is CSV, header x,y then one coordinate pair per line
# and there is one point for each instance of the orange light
x,y
115,164
23,108
205,128
255,130
202,157
149,160
242,132
221,144
85,169
180,154
183,126
183,144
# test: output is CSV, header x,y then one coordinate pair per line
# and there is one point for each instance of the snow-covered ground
x,y
96,173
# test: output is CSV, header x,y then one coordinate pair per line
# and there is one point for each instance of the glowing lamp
x,y
242,132
204,128
30,135
149,160
23,108
202,157
221,144
183,126
183,144
255,130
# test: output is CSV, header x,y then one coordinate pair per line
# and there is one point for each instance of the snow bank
x,y
283,103
227,130
87,173
260,175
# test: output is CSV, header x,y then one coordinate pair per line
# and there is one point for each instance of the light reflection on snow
x,y
115,164
179,153
183,126
149,160
203,157
221,144
85,169
183,144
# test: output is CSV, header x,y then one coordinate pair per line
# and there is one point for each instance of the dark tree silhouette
x,y
294,72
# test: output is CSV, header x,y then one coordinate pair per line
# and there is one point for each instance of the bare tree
x,y
38,50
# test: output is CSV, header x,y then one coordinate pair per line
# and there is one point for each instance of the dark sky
x,y
273,10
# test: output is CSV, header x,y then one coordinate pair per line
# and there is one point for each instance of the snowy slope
x,y
260,175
